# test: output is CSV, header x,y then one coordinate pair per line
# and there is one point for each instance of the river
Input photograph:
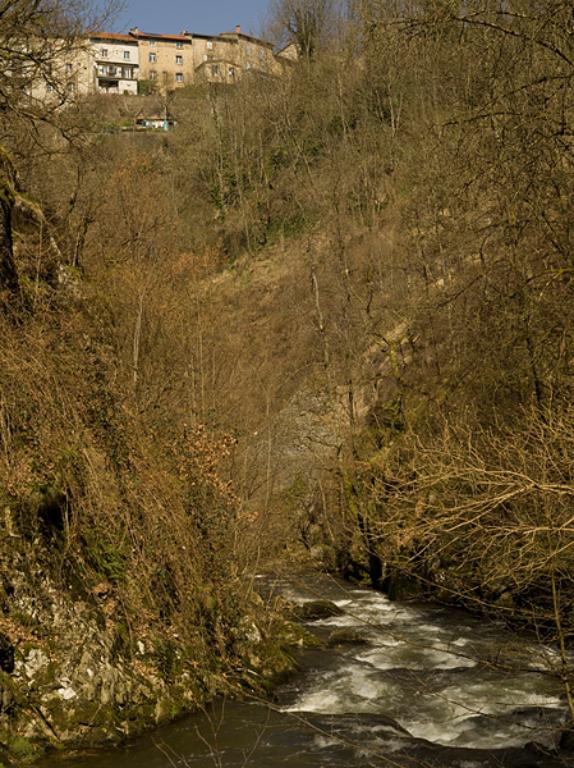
x,y
401,684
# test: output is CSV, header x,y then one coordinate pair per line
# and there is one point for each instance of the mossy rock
x,y
169,659
315,610
290,633
346,636
404,586
23,750
122,641
274,667
107,559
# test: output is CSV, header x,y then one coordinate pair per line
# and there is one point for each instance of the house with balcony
x,y
116,63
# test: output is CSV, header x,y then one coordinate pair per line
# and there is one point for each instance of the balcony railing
x,y
117,73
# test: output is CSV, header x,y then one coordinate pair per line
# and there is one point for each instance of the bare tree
x,y
37,37
307,23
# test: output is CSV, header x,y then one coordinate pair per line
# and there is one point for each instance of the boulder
x,y
346,636
315,610
403,586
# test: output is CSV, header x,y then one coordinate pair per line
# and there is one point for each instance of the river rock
x,y
539,749
403,586
315,610
346,636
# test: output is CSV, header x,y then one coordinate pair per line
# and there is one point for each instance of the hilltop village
x,y
143,63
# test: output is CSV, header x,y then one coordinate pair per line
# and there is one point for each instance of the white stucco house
x,y
116,63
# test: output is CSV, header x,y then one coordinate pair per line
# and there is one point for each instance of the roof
x,y
135,34
112,36
153,36
156,116
250,38
202,37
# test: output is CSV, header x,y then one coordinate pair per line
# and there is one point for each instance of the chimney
x,y
134,31
238,29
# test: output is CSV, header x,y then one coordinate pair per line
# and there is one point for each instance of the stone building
x,y
214,59
125,64
251,53
70,73
116,59
230,55
165,60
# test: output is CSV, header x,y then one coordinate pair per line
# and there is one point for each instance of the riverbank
x,y
78,671
390,683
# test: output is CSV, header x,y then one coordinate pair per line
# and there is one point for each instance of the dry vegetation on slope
x,y
393,226
351,288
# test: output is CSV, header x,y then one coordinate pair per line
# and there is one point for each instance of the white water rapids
x,y
442,675
394,686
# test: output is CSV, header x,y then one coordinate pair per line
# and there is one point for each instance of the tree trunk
x,y
8,273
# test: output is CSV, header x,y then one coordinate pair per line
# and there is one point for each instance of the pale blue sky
x,y
204,16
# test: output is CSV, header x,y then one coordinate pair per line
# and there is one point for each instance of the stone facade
x,y
112,63
251,53
230,55
165,60
70,74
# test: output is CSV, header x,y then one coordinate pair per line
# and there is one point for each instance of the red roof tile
x,y
111,36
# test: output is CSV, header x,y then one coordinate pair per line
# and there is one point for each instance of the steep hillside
x,y
330,316
125,599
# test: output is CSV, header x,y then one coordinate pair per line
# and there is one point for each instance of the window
x,y
179,77
71,88
179,60
127,55
210,45
215,69
50,88
179,44
68,69
152,58
152,74
205,57
104,53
